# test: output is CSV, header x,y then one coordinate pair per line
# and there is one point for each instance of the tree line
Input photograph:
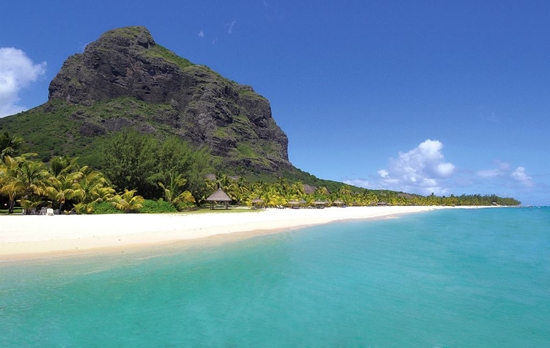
x,y
138,168
132,163
283,193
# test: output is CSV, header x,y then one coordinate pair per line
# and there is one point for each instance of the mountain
x,y
125,79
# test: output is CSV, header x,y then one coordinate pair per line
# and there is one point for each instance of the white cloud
x,y
201,34
520,175
420,170
502,175
423,170
17,71
359,183
490,173
231,26
383,173
445,169
501,170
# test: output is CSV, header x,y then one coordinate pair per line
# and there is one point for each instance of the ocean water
x,y
451,278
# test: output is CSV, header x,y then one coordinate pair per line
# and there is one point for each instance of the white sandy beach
x,y
30,236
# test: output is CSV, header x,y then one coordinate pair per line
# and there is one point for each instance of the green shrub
x,y
185,206
105,208
157,207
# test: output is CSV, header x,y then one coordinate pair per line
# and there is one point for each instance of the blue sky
x,y
449,97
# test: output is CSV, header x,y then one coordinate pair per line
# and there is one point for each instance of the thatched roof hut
x,y
320,204
294,203
211,177
257,203
219,197
308,189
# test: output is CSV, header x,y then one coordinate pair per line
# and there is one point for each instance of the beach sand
x,y
26,237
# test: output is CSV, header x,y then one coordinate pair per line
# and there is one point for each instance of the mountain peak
x,y
141,84
122,62
126,37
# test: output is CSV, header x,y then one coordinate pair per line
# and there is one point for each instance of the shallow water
x,y
450,278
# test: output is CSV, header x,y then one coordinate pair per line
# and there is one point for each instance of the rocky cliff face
x,y
142,84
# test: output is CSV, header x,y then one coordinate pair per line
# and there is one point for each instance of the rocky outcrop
x,y
146,86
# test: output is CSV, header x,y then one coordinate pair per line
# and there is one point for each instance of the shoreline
x,y
38,236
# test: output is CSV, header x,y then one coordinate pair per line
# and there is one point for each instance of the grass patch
x,y
231,210
246,151
159,51
16,210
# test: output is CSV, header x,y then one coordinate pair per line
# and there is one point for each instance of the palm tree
x,y
223,181
62,183
62,165
211,184
283,186
128,201
233,190
32,174
371,198
92,188
345,194
23,177
9,145
241,190
295,191
10,185
174,190
309,200
61,188
321,193
272,197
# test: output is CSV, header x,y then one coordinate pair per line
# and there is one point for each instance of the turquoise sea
x,y
447,278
